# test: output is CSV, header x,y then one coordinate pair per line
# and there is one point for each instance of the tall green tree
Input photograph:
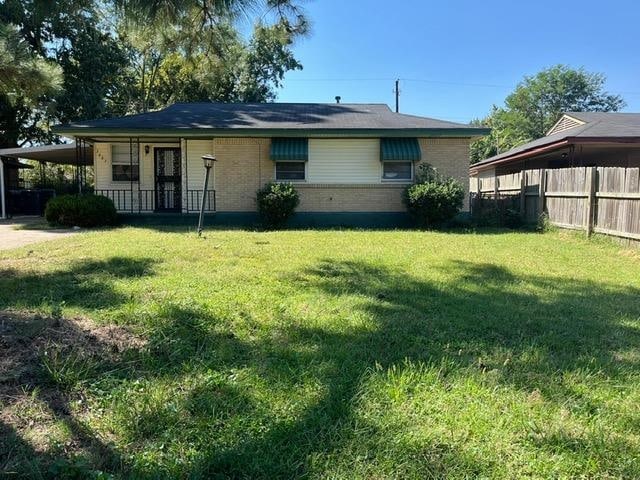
x,y
24,74
70,34
204,13
124,56
27,80
192,50
162,72
537,103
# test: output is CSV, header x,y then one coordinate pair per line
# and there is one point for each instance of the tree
x,y
506,132
24,74
204,13
116,57
161,71
71,35
93,62
537,103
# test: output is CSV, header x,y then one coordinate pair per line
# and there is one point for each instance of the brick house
x,y
344,159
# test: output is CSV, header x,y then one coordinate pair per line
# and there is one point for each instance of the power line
x,y
444,82
391,79
341,79
420,80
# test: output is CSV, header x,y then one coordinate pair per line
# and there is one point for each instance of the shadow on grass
x,y
547,327
44,360
577,329
86,284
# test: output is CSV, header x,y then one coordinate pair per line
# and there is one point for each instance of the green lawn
x,y
320,354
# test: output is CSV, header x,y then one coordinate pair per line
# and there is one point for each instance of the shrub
x,y
544,225
81,210
277,202
435,199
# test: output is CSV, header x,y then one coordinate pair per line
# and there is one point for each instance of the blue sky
x,y
457,58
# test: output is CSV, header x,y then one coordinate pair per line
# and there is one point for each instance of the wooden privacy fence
x,y
595,199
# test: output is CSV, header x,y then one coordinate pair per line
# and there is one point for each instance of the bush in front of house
x,y
277,202
81,211
434,199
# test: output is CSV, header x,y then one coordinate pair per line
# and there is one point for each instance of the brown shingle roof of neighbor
x,y
598,125
270,116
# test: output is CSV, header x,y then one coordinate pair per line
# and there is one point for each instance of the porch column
x,y
185,175
139,173
43,175
2,193
78,154
84,163
131,173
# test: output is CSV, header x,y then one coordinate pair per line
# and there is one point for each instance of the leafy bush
x,y
81,210
277,202
434,199
544,225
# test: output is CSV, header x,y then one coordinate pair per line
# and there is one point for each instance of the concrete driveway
x,y
19,231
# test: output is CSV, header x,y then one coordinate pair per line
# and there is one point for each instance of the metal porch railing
x,y
156,201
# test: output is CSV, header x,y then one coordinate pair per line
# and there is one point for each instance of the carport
x,y
80,155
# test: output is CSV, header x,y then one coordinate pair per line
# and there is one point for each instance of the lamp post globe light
x,y
208,161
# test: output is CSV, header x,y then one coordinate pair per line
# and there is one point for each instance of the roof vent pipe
x,y
338,98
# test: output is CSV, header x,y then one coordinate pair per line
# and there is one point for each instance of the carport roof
x,y
15,163
593,127
64,154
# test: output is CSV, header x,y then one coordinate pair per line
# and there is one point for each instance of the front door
x,y
168,170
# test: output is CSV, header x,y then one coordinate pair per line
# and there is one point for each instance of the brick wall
x,y
351,198
244,166
451,157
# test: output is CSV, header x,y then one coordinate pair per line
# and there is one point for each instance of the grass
x,y
140,353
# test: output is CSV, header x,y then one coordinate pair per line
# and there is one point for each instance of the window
x,y
125,173
290,170
397,170
124,168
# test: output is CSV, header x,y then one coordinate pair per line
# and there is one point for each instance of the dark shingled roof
x,y
600,125
240,117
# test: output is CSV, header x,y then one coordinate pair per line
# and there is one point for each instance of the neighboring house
x,y
349,158
578,139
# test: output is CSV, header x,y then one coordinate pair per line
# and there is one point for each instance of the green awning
x,y
400,150
289,149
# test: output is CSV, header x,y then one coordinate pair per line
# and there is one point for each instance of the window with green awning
x,y
400,150
289,149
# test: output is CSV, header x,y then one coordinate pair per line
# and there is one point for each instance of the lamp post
x,y
208,163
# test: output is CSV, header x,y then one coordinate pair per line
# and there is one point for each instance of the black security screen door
x,y
168,180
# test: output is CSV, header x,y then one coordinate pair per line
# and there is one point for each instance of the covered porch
x,y
143,175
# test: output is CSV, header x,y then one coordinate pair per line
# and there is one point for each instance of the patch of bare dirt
x,y
24,337
32,407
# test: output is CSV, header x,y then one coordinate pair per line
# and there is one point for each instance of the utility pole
x,y
397,92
